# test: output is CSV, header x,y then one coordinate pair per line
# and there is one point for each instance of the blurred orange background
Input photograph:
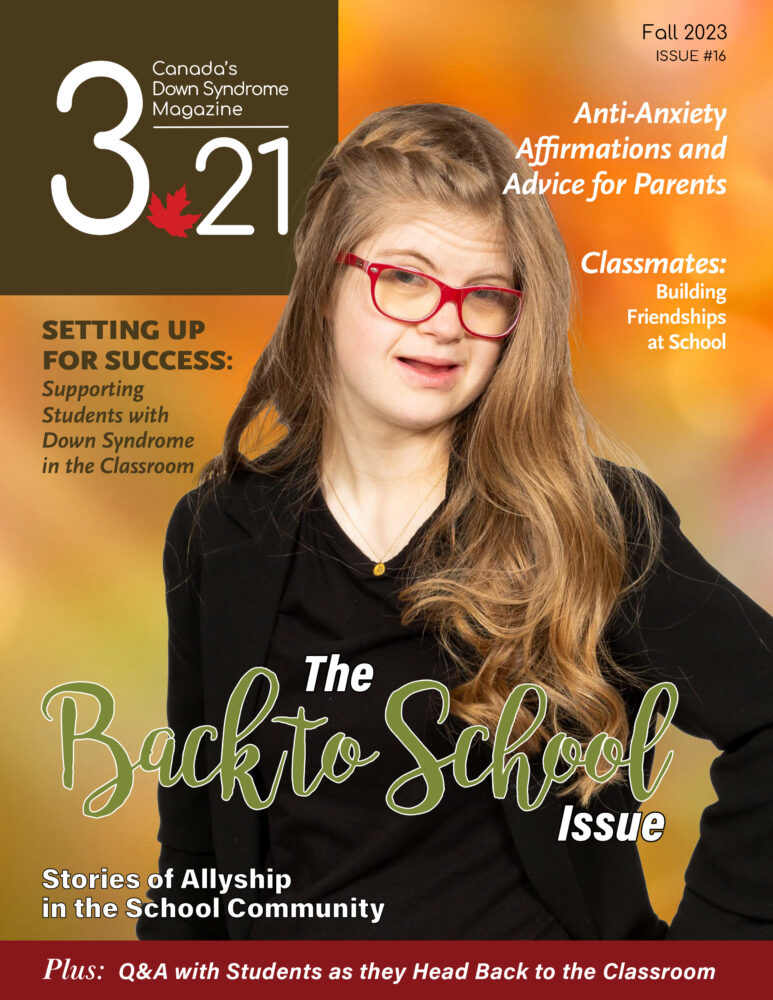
x,y
80,576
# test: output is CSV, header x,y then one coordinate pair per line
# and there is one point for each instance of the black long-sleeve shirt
x,y
226,563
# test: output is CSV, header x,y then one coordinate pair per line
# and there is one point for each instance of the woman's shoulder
x,y
652,526
219,511
213,495
634,492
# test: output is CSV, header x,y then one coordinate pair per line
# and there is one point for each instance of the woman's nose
x,y
445,323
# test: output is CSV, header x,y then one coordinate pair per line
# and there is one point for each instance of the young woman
x,y
437,510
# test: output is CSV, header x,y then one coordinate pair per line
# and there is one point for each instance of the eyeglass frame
x,y
448,293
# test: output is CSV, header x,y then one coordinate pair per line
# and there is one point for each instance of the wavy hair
x,y
523,566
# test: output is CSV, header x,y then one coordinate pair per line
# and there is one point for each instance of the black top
x,y
226,560
450,873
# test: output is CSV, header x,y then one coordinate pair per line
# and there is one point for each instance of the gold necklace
x,y
379,567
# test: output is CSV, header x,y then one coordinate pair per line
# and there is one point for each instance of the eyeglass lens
x,y
409,297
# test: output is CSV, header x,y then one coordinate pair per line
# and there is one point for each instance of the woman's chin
x,y
421,422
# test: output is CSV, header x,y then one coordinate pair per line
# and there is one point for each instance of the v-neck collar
x,y
351,552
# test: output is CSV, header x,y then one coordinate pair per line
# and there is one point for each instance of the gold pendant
x,y
379,569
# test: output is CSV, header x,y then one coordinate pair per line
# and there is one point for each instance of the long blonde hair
x,y
518,574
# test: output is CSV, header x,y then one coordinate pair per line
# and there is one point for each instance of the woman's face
x,y
415,376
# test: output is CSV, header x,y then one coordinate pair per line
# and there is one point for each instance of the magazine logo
x,y
169,217
151,167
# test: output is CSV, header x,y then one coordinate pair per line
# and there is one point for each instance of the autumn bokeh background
x,y
80,581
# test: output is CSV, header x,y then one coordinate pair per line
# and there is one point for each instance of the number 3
x,y
110,140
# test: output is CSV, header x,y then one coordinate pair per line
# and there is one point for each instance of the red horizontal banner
x,y
385,968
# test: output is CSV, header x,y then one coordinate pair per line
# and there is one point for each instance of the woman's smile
x,y
423,370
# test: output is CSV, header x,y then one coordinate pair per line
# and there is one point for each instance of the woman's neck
x,y
382,485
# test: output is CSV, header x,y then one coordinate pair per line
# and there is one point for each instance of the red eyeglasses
x,y
409,296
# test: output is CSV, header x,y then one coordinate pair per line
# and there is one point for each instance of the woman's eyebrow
x,y
483,278
425,261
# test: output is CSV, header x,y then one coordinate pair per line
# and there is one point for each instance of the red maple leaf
x,y
171,218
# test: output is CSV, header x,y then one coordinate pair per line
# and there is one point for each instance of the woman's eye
x,y
491,296
404,277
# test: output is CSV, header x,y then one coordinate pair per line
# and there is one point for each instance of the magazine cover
x,y
388,435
